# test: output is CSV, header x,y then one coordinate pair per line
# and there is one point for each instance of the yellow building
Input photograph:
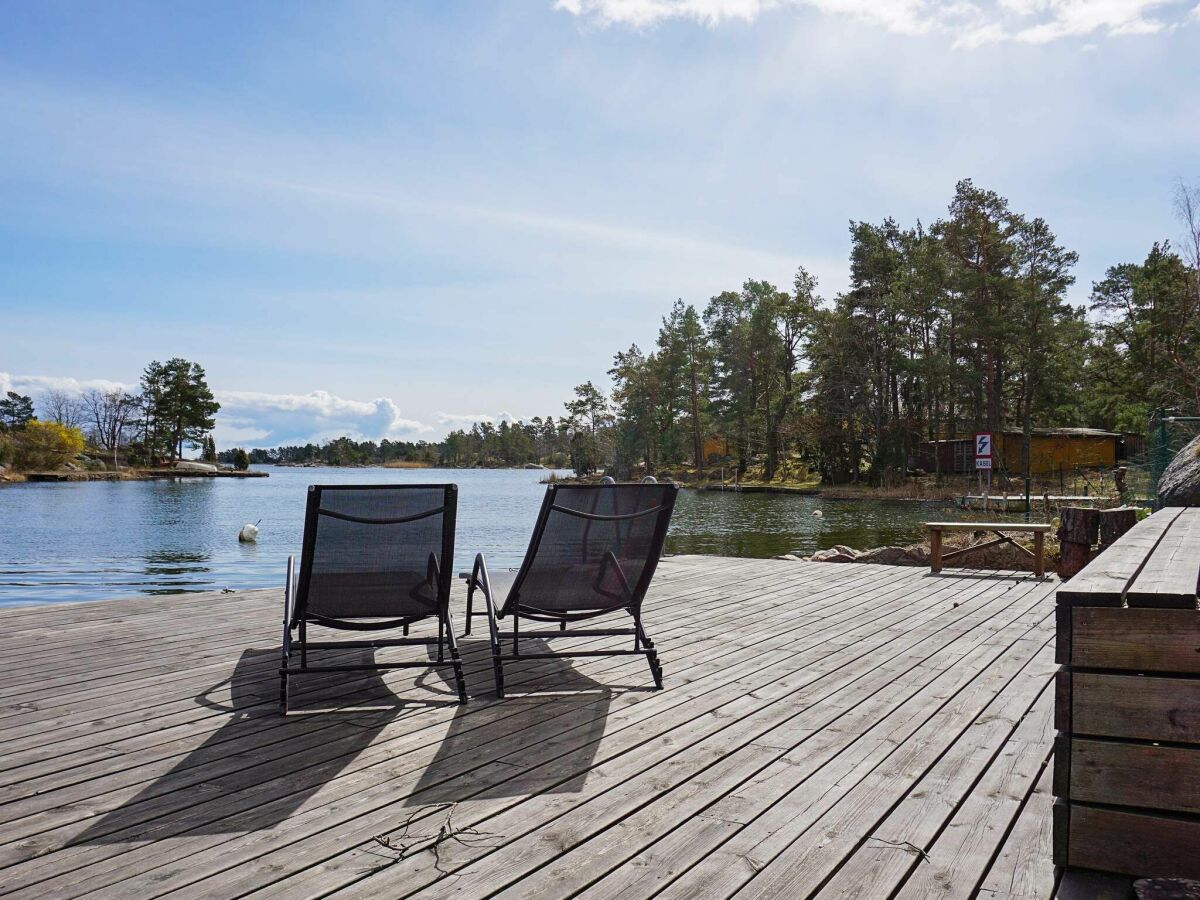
x,y
1050,450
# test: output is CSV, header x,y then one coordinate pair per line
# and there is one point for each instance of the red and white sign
x,y
983,446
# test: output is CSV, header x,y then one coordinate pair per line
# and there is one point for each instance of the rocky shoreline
x,y
76,475
996,557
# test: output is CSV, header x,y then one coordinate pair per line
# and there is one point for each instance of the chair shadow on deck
x,y
258,767
554,711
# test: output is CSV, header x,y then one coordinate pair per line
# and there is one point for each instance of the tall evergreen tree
x,y
179,408
16,411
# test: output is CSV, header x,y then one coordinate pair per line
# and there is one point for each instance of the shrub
x,y
46,445
241,459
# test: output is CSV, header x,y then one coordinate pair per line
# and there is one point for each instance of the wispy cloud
x,y
345,198
968,23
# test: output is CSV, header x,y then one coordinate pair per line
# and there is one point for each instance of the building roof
x,y
1044,432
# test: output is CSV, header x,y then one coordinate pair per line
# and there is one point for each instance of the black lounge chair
x,y
593,552
374,557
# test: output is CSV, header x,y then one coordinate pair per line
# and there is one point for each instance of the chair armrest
x,y
480,579
289,599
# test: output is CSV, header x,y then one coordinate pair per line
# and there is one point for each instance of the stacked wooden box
x,y
1127,758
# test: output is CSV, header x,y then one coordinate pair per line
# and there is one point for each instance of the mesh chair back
x,y
594,548
377,551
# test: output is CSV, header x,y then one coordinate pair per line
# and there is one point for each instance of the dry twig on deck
x,y
905,845
405,844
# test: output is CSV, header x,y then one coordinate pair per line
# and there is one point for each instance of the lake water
x,y
92,540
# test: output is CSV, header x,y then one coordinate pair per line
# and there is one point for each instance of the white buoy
x,y
818,514
248,534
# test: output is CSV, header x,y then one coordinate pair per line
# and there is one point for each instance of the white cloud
x,y
466,420
36,385
258,419
268,420
970,24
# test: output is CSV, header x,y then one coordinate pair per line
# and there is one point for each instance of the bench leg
x,y
1039,554
935,550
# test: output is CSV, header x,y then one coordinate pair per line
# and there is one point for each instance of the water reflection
x,y
175,571
761,525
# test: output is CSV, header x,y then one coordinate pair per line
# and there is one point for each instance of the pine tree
x,y
16,411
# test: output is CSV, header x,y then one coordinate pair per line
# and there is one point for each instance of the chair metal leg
x,y
285,646
497,663
470,604
652,654
480,572
446,627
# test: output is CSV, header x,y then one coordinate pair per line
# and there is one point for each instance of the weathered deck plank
x,y
814,718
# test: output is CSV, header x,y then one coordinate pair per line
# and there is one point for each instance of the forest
x,y
947,328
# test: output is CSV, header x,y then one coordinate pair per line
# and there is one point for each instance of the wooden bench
x,y
1127,704
937,557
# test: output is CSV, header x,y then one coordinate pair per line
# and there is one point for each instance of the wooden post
x,y
1078,529
1115,522
935,550
1039,553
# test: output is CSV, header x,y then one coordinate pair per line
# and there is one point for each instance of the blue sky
x,y
386,219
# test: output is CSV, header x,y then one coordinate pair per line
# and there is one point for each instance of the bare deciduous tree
x,y
109,415
63,408
1187,207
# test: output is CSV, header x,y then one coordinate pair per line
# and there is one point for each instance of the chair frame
x,y
296,617
642,644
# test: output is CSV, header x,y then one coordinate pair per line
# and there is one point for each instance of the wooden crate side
x,y
1061,832
1147,776
1062,635
1149,708
1131,843
1062,766
1171,575
1063,705
1136,640
1104,581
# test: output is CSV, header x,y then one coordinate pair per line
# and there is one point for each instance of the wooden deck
x,y
826,730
